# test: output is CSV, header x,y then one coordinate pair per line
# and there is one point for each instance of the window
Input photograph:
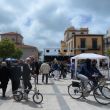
x,y
65,50
94,43
13,39
47,51
83,43
73,33
82,32
82,51
71,44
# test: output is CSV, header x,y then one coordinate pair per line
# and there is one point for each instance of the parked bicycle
x,y
37,96
101,93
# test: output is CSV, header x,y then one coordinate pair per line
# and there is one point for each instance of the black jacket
x,y
4,74
15,72
26,72
86,69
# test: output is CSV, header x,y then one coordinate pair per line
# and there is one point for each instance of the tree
x,y
18,53
107,52
7,48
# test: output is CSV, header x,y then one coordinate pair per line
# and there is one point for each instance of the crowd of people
x,y
18,69
24,69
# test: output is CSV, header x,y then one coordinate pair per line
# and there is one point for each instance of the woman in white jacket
x,y
44,69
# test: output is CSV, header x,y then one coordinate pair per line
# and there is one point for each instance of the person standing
x,y
35,69
26,78
15,74
4,77
62,69
56,69
72,70
45,69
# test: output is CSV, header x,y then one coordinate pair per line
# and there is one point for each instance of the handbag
x,y
76,83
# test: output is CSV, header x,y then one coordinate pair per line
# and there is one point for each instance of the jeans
x,y
72,74
45,75
84,79
27,86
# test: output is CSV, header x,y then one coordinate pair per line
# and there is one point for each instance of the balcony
x,y
81,48
94,48
88,48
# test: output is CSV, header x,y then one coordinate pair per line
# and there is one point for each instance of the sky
x,y
42,22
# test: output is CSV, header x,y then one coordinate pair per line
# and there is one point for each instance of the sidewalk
x,y
55,96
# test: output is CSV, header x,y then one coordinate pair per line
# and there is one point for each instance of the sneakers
x,y
86,94
25,96
96,93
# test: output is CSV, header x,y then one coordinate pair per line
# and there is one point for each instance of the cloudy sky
x,y
43,22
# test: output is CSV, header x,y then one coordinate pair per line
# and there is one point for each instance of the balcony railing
x,y
89,48
94,48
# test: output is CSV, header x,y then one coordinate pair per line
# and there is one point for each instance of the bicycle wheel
x,y
37,98
74,92
100,97
106,92
107,85
18,96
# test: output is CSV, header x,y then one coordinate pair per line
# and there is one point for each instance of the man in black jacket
x,y
4,77
85,72
35,68
15,76
26,77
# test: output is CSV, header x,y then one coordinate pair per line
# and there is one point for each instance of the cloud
x,y
43,22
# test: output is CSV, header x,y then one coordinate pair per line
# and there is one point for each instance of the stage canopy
x,y
89,56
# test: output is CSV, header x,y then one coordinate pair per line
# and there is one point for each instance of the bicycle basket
x,y
76,83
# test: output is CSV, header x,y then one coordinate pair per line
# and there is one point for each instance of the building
x,y
78,41
28,50
107,40
54,53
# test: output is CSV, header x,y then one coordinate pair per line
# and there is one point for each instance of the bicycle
x,y
76,90
37,96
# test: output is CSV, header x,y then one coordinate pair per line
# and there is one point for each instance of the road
x,y
55,98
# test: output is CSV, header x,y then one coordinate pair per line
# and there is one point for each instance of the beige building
x,y
78,41
107,40
28,50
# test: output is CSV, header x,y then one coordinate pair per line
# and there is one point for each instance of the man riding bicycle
x,y
88,72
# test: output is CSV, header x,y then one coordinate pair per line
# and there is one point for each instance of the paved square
x,y
55,97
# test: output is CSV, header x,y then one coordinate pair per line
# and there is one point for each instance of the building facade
x,y
107,40
28,50
78,41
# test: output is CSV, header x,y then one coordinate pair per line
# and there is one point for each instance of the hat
x,y
3,64
28,58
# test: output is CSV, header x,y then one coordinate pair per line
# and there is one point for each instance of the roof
x,y
71,28
89,56
25,46
12,33
89,35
